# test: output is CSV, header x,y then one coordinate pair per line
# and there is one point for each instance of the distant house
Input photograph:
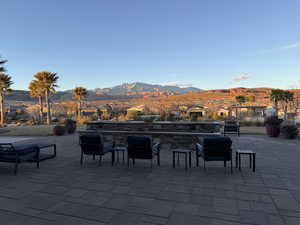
x,y
223,112
254,110
197,111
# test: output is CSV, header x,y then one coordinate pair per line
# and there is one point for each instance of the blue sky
x,y
209,44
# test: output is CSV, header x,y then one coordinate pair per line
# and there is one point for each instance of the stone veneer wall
x,y
173,140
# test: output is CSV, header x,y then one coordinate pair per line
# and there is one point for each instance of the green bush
x,y
70,126
289,131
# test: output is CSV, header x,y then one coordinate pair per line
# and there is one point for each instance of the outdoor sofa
x,y
19,153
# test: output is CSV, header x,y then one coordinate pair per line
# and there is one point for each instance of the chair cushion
x,y
107,147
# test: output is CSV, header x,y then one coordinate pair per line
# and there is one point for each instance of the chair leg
x,y
225,164
231,166
204,165
173,159
38,158
197,159
54,146
123,158
16,168
94,157
100,161
81,159
133,161
113,156
158,159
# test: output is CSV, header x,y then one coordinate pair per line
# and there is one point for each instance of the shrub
x,y
289,130
70,126
59,130
273,121
273,126
132,115
86,119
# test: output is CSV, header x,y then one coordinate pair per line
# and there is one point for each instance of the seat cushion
x,y
107,147
20,152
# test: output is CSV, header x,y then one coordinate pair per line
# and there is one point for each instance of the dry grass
x,y
253,130
38,130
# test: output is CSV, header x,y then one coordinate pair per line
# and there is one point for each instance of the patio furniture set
x,y
211,148
216,148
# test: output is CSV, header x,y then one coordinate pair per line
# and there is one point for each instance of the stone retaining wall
x,y
174,141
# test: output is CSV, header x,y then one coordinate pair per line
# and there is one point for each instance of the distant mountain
x,y
123,91
137,87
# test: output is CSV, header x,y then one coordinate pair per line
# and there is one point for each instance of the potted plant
x,y
59,130
272,124
289,130
70,126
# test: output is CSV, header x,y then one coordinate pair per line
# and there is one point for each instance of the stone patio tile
x,y
254,218
226,206
193,209
154,220
284,200
83,211
224,222
292,220
264,207
150,206
55,219
182,219
125,218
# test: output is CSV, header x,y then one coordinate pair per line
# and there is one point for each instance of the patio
x,y
63,192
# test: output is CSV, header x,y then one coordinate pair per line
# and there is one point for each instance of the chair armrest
x,y
156,147
199,147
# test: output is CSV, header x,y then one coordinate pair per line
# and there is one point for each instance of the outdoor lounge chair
x,y
140,147
231,126
214,149
93,144
18,153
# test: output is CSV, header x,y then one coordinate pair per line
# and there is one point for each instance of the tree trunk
x,y
2,110
276,107
79,109
48,108
41,109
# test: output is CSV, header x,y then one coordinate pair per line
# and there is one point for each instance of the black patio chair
x,y
214,149
140,147
231,126
93,144
18,153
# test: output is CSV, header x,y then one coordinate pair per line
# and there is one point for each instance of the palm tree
x,y
240,99
2,69
276,96
48,82
36,91
80,94
287,97
5,84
